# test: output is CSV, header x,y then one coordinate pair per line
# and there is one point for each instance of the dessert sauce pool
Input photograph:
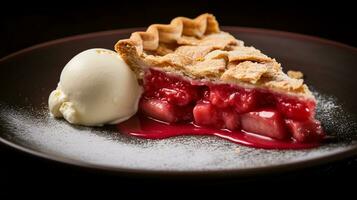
x,y
144,127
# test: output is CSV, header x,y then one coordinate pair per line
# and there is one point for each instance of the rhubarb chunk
x,y
264,122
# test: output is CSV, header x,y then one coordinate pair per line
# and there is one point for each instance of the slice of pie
x,y
192,71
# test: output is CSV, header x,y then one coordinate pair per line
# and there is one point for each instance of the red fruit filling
x,y
305,131
223,106
165,111
205,113
267,122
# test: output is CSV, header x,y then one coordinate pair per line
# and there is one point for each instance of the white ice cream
x,y
96,87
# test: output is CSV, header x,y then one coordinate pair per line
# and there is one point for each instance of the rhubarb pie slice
x,y
192,71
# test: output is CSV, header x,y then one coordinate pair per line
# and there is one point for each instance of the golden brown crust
x,y
295,74
246,71
150,39
197,48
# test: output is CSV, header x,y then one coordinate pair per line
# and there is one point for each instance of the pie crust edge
x,y
220,57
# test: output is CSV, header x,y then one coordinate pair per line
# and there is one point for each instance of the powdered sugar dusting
x,y
337,122
35,129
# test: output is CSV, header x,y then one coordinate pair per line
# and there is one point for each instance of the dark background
x,y
27,23
23,24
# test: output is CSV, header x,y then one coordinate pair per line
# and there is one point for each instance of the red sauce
x,y
144,127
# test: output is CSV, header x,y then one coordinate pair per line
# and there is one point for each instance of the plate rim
x,y
295,165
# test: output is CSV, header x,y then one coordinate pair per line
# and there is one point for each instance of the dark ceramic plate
x,y
28,76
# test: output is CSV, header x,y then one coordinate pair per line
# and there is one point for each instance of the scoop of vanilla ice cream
x,y
96,87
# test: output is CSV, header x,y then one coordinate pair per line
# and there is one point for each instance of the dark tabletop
x,y
33,23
